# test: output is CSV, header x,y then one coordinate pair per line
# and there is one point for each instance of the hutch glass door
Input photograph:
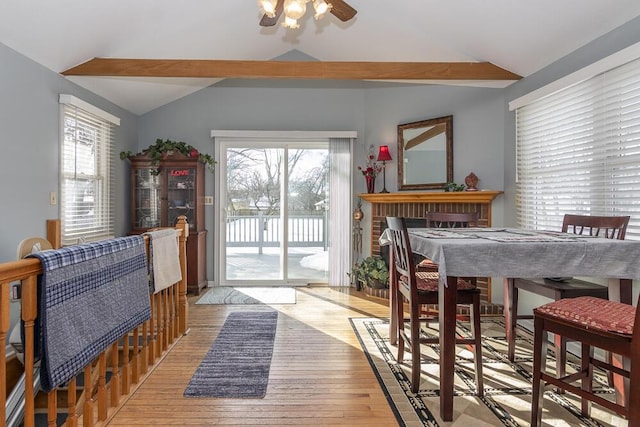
x,y
181,195
147,204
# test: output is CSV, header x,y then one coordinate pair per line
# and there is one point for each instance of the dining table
x,y
510,253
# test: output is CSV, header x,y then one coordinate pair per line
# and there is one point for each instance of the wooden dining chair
x,y
612,227
419,288
595,323
451,219
446,220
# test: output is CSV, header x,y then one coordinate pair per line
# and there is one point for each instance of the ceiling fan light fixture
x,y
295,9
321,7
290,23
268,7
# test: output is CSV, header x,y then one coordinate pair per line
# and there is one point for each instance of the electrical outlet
x,y
208,200
53,198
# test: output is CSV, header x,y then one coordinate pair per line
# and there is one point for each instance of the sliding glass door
x,y
275,205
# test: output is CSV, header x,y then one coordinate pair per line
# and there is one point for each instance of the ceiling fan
x,y
295,9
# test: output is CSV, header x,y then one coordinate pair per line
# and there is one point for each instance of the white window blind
x,y
578,151
86,200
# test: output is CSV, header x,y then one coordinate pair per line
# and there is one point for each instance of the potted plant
x,y
452,186
372,272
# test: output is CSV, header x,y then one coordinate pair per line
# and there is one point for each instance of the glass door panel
x,y
181,195
253,215
308,209
147,204
262,242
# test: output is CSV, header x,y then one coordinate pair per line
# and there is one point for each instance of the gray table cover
x,y
513,252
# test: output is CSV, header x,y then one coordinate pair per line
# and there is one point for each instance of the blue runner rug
x,y
237,364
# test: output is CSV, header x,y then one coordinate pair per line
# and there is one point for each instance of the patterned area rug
x,y
507,400
248,295
237,364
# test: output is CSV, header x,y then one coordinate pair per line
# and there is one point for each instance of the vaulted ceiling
x,y
520,37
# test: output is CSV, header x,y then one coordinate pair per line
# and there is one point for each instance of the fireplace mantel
x,y
481,196
413,204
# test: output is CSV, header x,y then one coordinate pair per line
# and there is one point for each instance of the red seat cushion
x,y
593,313
427,263
429,282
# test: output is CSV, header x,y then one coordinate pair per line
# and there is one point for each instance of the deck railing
x,y
128,359
264,231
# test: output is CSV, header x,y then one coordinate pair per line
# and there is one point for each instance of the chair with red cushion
x,y
446,220
611,227
594,322
422,288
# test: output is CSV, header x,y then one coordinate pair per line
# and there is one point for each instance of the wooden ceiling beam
x,y
205,68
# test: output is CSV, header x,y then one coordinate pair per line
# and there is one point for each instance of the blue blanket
x,y
89,295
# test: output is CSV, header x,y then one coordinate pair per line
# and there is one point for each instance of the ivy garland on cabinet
x,y
161,147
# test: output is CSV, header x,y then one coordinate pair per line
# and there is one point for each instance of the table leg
x,y
447,307
393,306
510,322
620,290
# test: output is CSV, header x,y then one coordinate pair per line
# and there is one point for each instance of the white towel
x,y
163,249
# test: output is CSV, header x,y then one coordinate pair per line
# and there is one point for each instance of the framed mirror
x,y
425,154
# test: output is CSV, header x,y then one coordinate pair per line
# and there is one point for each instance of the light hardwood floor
x,y
319,374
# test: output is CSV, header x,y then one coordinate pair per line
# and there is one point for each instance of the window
x,y
578,151
86,203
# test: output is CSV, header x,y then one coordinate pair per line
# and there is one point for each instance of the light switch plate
x,y
208,200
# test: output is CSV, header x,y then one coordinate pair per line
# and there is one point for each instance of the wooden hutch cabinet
x,y
160,194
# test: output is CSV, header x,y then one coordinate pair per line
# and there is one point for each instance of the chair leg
x,y
587,380
400,325
561,358
609,356
539,366
414,319
477,336
634,392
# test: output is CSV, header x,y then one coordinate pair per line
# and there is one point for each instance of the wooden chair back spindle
x,y
451,219
610,227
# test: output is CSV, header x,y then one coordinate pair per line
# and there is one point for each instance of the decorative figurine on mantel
x,y
472,182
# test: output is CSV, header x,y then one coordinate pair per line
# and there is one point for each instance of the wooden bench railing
x,y
129,359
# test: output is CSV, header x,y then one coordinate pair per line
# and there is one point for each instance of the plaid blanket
x,y
89,295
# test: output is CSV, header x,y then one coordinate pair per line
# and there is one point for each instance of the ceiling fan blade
x,y
342,10
270,22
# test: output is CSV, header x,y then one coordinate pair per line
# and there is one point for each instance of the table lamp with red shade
x,y
384,156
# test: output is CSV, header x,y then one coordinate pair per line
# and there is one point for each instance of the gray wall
x,y
30,139
484,129
374,111
616,40
606,45
484,133
478,136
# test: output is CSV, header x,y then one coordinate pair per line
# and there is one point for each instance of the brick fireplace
x,y
416,204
